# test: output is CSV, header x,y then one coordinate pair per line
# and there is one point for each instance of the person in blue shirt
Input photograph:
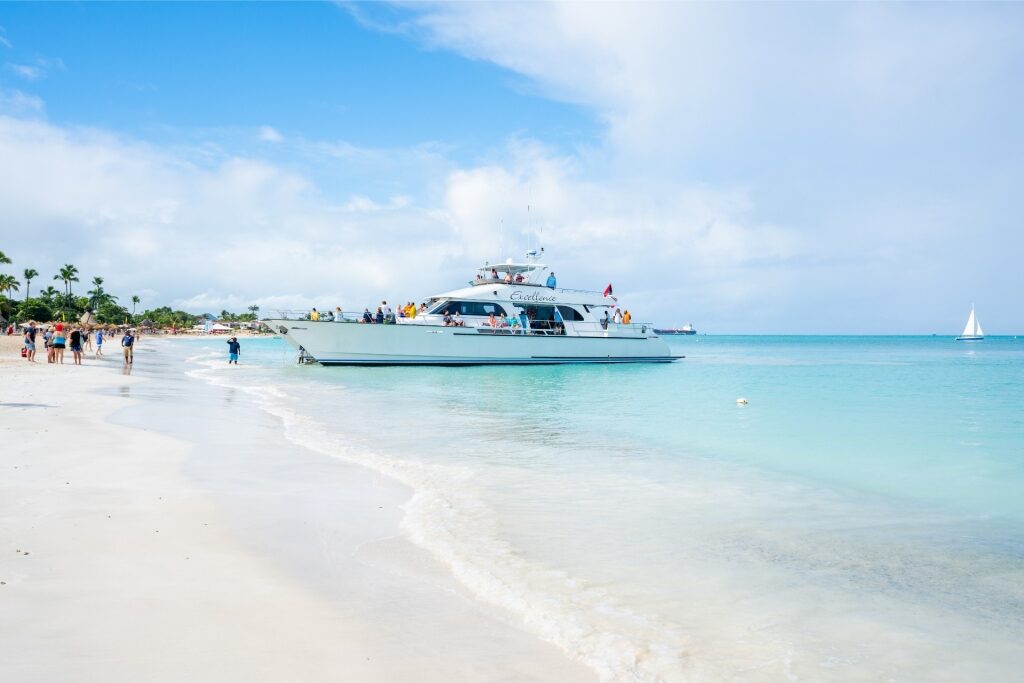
x,y
551,281
234,348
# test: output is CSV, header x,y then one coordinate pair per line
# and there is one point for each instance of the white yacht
x,y
510,314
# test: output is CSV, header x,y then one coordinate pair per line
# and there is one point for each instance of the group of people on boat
x,y
511,279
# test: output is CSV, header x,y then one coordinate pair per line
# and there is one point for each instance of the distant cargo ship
x,y
685,329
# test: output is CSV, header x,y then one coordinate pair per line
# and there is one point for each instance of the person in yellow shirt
x,y
626,317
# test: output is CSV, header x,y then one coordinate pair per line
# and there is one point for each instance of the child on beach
x,y
234,348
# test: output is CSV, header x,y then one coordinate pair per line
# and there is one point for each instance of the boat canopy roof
x,y
514,268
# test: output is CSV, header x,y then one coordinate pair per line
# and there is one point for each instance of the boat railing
x,y
325,316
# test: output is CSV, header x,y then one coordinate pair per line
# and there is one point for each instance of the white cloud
x,y
31,73
39,68
17,102
269,134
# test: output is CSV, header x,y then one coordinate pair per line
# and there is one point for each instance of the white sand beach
x,y
118,563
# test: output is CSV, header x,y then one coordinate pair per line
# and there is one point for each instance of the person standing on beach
x,y
234,348
127,342
30,343
76,345
59,343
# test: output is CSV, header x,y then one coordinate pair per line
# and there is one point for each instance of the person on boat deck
x,y
605,320
626,317
494,274
367,318
508,277
457,320
314,315
552,281
447,319
618,316
379,318
338,315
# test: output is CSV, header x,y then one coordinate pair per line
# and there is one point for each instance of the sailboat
x,y
972,331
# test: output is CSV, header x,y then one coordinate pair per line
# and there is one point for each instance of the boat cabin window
x,y
570,314
482,308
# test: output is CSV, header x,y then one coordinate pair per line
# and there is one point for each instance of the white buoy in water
x,y
742,401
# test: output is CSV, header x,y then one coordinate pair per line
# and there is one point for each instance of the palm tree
x,y
68,274
97,294
3,258
49,293
30,274
8,284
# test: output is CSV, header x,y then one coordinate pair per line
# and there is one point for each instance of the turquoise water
x,y
862,518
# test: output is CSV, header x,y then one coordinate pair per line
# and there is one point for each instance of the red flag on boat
x,y
608,290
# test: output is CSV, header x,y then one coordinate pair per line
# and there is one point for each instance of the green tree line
x,y
63,303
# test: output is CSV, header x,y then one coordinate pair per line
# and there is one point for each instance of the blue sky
x,y
752,168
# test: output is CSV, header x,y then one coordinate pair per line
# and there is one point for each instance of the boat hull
x,y
331,343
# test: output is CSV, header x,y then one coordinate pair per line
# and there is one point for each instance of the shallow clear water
x,y
861,519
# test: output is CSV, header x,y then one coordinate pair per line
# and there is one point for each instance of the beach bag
x,y
24,351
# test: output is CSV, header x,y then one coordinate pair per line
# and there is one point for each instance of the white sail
x,y
973,327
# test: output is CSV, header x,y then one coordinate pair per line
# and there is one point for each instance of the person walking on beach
x,y
99,342
127,342
76,345
234,348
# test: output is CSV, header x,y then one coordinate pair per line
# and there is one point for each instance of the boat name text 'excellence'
x,y
533,296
